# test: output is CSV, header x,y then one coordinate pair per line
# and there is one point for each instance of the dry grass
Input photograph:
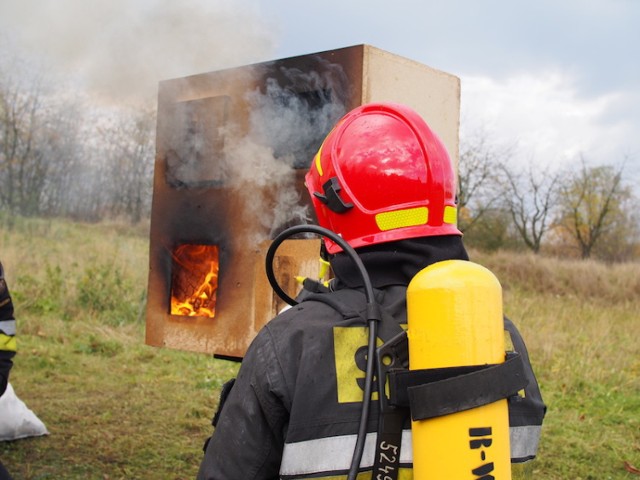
x,y
589,279
581,322
117,409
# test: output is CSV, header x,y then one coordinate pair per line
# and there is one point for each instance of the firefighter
x,y
7,343
384,182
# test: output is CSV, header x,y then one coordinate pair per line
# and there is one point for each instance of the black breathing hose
x,y
373,316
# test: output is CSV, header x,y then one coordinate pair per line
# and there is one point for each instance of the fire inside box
x,y
194,280
232,148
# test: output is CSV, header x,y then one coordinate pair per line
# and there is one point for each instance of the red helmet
x,y
382,175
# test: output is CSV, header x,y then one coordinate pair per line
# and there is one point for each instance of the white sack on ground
x,y
16,419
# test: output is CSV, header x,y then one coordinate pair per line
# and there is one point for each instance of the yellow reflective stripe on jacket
x,y
7,343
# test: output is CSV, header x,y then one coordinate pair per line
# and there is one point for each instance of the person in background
x,y
7,333
7,343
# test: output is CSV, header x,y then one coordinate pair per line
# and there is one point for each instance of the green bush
x,y
104,291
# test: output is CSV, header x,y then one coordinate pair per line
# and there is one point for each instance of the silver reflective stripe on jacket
x,y
333,454
524,441
8,327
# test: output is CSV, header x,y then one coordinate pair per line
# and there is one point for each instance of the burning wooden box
x,y
232,150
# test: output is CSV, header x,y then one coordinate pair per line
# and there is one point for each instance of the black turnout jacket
x,y
294,409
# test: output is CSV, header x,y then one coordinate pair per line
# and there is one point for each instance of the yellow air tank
x,y
455,319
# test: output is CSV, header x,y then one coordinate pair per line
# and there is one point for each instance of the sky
x,y
556,80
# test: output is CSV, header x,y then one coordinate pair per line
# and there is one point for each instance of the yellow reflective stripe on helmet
x,y
409,217
318,163
7,343
450,215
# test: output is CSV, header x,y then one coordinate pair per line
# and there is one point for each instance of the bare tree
x,y
37,141
22,167
530,198
128,147
477,173
591,203
61,144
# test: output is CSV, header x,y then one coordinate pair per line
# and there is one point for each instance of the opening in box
x,y
194,280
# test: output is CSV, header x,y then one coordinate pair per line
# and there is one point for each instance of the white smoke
x,y
289,118
295,115
121,49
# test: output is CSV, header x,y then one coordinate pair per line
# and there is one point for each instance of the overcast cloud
x,y
557,78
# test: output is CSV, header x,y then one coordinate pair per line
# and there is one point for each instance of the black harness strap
x,y
443,391
391,418
429,393
436,392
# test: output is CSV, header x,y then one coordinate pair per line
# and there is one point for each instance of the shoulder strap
x,y
351,303
345,302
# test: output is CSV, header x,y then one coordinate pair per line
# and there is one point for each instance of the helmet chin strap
x,y
331,198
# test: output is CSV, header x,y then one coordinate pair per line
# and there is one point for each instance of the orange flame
x,y
194,280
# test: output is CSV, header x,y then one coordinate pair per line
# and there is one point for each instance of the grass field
x,y
118,409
